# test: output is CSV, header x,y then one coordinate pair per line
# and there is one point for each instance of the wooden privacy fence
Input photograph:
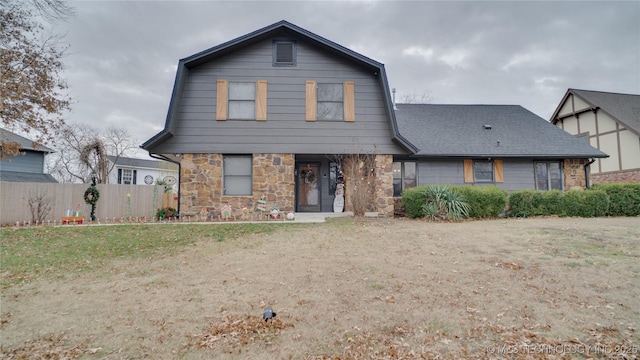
x,y
116,201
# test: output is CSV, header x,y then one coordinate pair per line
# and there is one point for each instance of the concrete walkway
x,y
313,217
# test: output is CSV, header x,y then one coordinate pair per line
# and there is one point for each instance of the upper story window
x,y
284,53
330,101
242,100
330,104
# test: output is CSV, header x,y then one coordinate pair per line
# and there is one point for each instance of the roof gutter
x,y
162,157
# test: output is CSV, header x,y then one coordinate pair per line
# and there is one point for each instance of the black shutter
x,y
119,176
135,176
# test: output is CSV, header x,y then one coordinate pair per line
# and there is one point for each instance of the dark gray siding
x,y
285,131
518,173
30,162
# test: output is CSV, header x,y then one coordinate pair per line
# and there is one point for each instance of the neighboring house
x,y
267,113
26,167
141,172
609,122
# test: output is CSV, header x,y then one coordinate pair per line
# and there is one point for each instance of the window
x,y
284,53
404,176
548,175
127,176
237,174
330,104
330,101
483,171
241,100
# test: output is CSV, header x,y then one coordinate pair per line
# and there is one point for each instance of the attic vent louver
x,y
486,127
284,53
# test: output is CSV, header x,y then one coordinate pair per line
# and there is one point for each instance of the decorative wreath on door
x,y
308,176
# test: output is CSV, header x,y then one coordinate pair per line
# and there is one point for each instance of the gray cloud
x,y
123,55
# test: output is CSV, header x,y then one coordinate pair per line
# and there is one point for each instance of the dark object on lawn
x,y
268,314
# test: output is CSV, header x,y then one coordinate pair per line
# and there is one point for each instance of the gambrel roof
x,y
487,131
623,108
277,29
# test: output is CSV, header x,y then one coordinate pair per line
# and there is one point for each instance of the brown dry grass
x,y
351,289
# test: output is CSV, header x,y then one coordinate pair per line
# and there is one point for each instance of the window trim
x,y
294,54
224,174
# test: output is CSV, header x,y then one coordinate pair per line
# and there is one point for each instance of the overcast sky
x,y
123,56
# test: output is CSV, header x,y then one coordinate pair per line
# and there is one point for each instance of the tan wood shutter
x,y
497,169
349,101
221,100
468,171
310,103
261,100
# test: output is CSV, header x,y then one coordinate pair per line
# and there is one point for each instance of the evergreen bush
x,y
484,201
624,198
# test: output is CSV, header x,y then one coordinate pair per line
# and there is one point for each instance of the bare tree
x,y
82,150
415,98
33,95
40,205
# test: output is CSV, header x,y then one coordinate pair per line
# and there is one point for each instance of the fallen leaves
x,y
234,331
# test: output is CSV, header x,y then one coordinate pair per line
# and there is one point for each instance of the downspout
x,y
586,173
161,157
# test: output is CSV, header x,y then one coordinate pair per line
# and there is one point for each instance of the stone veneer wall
x,y
384,185
201,184
574,174
624,176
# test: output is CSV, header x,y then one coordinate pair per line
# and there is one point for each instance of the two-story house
x,y
29,165
271,113
610,122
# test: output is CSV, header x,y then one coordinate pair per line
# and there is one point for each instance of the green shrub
x,y
413,199
444,203
521,203
484,201
587,203
624,198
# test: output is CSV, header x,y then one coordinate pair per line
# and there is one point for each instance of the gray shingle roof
x,y
140,163
14,176
458,131
623,107
25,144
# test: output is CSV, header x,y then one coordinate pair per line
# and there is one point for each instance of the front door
x,y
308,187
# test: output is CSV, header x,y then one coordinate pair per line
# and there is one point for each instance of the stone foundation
x,y
201,184
625,176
